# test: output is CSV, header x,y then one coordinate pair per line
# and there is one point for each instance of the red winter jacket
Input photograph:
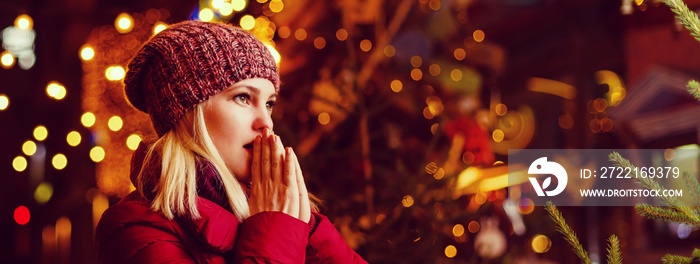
x,y
131,232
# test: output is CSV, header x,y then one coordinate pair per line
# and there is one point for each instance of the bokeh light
x,y
458,230
501,109
4,102
88,119
97,154
416,74
300,34
124,23
366,45
275,55
416,61
19,163
341,34
132,142
460,54
73,138
22,215
389,50
479,35
158,27
217,4
284,32
456,75
319,42
40,133
43,192
541,243
396,86
24,22
7,59
324,118
498,135
59,161
238,5
473,227
450,251
407,201
56,90
115,73
87,53
247,22
29,148
276,6
206,15
115,123
226,9
434,69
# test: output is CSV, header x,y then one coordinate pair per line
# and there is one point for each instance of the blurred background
x,y
402,112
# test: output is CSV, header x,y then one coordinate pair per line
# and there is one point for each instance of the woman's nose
x,y
262,120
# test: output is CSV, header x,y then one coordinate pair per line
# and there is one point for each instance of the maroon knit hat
x,y
187,63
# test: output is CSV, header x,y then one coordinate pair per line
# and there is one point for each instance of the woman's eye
x,y
242,98
270,105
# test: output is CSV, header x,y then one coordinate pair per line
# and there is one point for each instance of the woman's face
x,y
235,117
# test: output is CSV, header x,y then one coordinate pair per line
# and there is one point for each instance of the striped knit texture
x,y
187,63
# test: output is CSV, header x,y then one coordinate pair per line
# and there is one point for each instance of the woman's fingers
x,y
256,200
292,191
304,206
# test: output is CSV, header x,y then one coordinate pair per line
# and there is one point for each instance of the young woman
x,y
217,186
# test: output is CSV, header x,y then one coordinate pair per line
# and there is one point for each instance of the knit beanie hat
x,y
187,63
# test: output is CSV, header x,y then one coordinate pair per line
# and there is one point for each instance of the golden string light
x,y
40,133
87,53
124,23
59,161
7,59
24,22
4,102
29,148
19,163
87,119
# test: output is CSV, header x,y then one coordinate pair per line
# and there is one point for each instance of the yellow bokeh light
x,y
19,163
226,9
319,42
206,14
300,34
341,34
276,6
366,45
262,1
501,109
440,173
24,22
458,230
460,54
324,118
434,69
115,73
498,135
7,59
115,123
158,27
478,35
396,86
473,227
124,23
97,154
407,201
217,4
238,5
87,53
450,251
284,32
40,133
247,22
56,90
132,142
59,161
416,74
4,102
275,54
43,192
389,50
541,243
416,61
29,148
428,112
73,138
456,75
88,119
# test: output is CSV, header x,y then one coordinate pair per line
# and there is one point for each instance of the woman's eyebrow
x,y
252,89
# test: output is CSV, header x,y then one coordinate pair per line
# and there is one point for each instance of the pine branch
x,y
687,17
649,183
614,254
694,89
670,215
673,259
568,233
693,186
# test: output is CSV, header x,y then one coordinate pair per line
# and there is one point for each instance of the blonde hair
x,y
176,191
